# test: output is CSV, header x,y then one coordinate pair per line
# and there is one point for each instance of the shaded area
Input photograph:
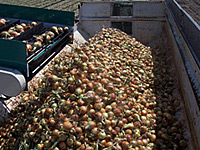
x,y
169,98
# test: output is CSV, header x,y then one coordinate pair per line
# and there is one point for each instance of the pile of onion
x,y
113,92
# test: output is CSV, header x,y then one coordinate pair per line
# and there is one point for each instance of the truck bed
x,y
147,22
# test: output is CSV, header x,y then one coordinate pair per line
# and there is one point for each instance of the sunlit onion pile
x,y
110,93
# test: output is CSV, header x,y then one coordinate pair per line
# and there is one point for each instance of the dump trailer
x,y
162,25
147,21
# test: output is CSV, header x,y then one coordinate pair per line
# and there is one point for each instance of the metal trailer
x,y
147,21
16,68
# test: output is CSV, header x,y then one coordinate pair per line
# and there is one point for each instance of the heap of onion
x,y
113,92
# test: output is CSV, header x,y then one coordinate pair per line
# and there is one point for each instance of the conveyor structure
x,y
17,64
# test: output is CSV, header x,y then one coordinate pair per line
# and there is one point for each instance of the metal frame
x,y
188,27
191,36
186,63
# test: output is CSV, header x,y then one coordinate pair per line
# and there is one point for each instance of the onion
x,y
33,23
67,125
40,146
60,30
89,85
48,111
128,131
54,29
91,125
62,137
37,45
152,137
83,110
47,143
47,38
29,47
62,145
78,91
20,28
56,133
125,145
99,116
102,135
65,29
51,34
89,148
117,111
52,122
4,34
2,22
70,142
